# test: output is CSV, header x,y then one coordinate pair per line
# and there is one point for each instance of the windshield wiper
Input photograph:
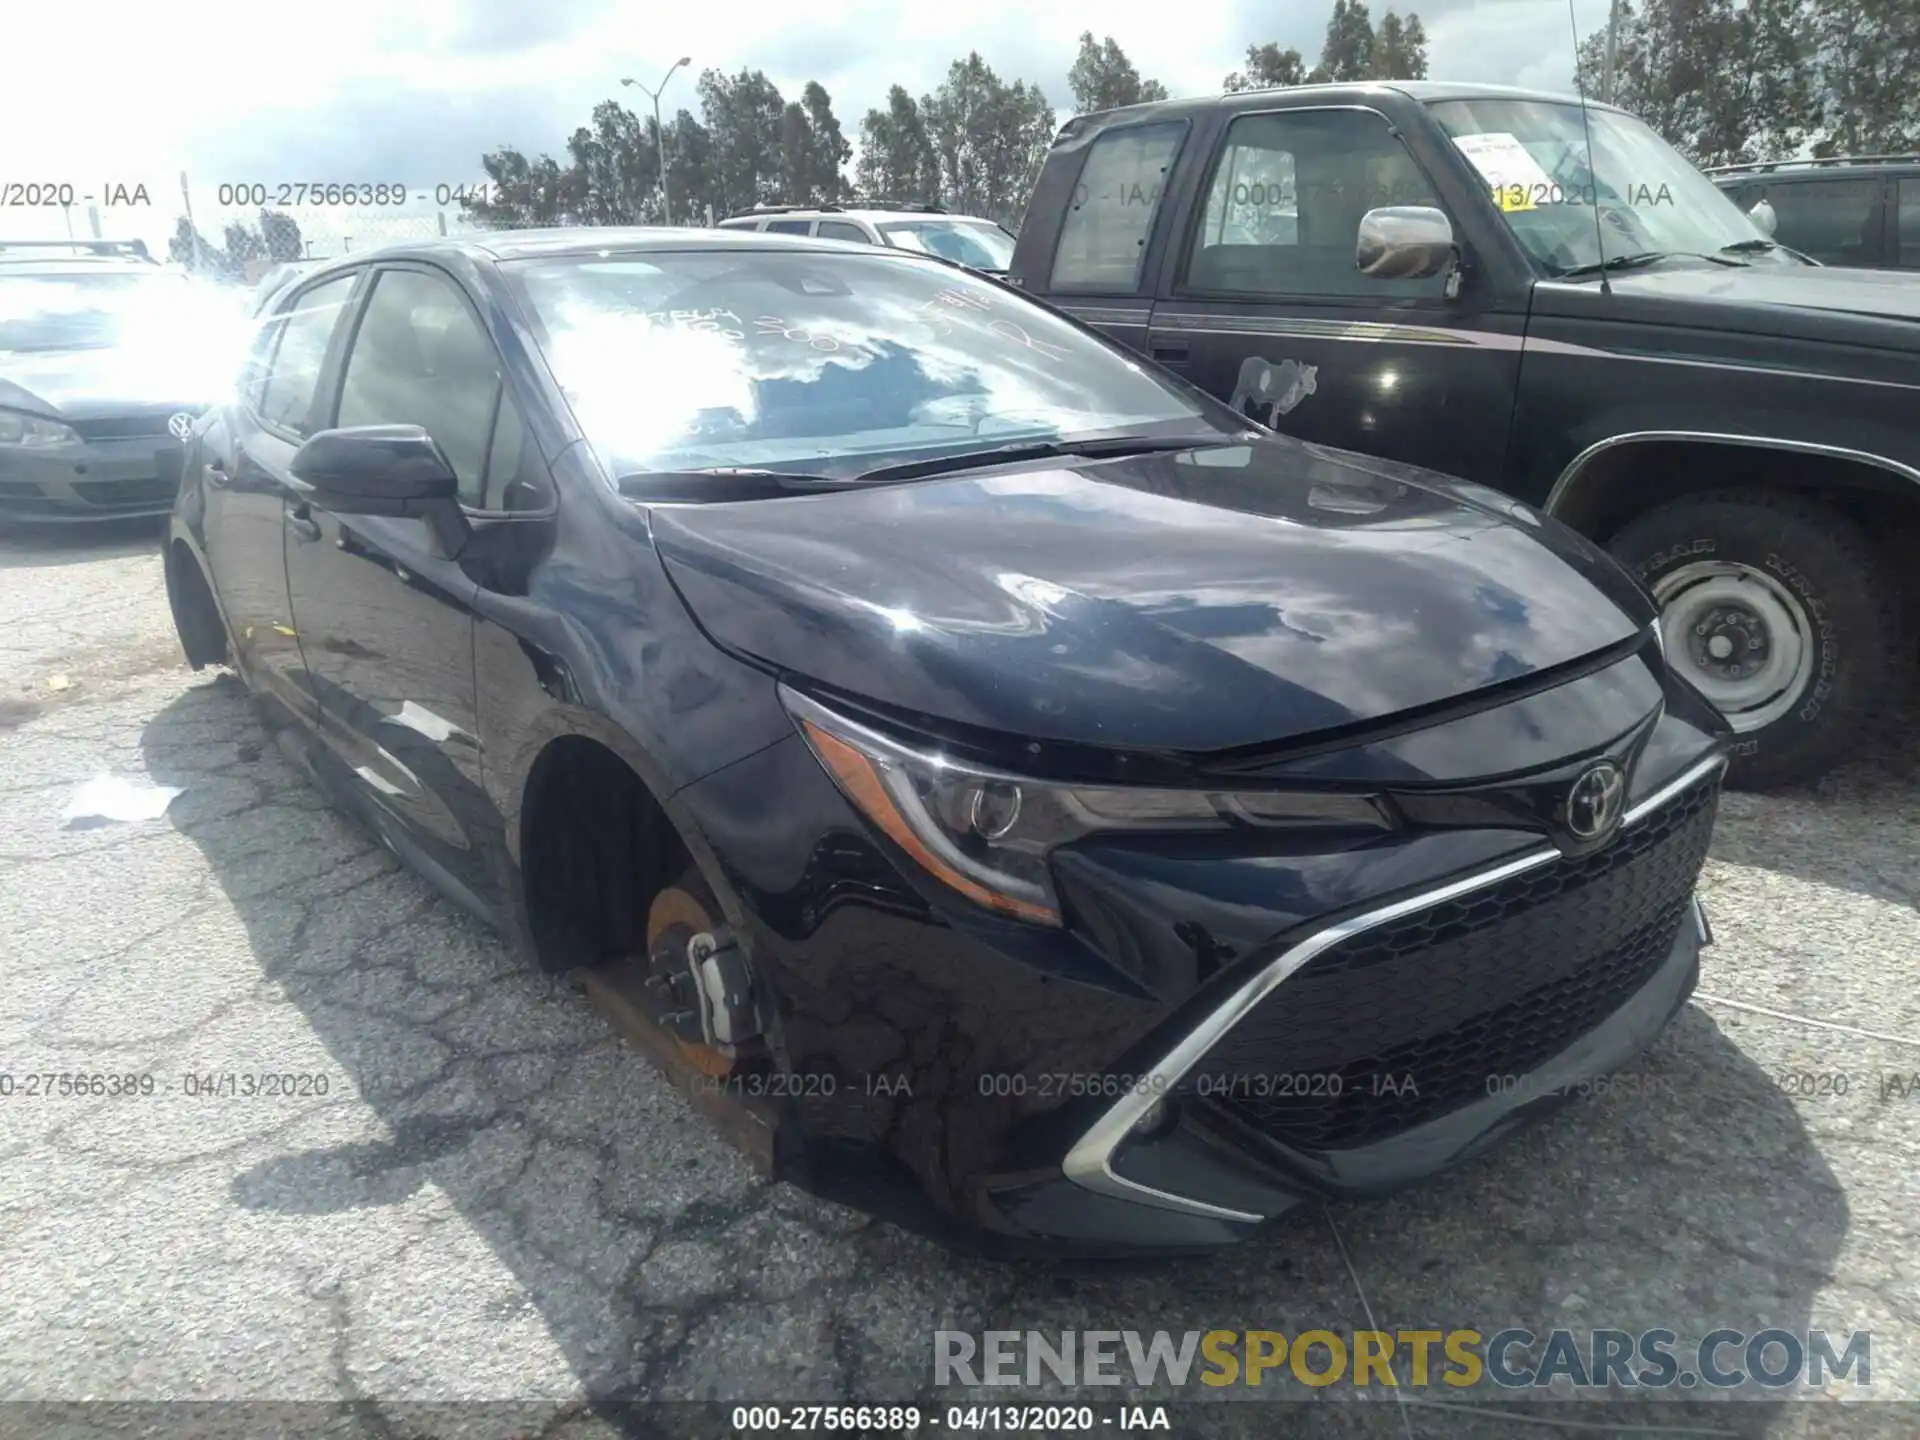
x,y
738,482
1644,258
1758,247
725,482
1099,449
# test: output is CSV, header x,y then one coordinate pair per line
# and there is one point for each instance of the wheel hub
x,y
1740,637
1731,641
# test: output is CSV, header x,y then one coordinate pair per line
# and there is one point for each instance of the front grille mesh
x,y
1421,1016
125,427
109,494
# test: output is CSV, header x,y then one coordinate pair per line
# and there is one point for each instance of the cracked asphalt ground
x,y
497,1200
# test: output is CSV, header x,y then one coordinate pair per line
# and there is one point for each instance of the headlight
x,y
19,428
988,834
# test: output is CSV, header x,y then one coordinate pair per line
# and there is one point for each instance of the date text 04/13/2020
x,y
907,1419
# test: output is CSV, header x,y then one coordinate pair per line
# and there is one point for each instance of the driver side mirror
x,y
1404,242
395,470
1764,219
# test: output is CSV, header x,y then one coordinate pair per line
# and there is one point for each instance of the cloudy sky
x,y
415,91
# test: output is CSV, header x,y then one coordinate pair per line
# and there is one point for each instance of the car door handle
x,y
1165,354
303,525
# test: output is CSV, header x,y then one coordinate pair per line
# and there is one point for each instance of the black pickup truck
x,y
1546,299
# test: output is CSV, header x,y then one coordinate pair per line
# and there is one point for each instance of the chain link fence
x,y
244,230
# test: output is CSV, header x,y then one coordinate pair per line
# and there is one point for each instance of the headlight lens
x,y
988,835
19,428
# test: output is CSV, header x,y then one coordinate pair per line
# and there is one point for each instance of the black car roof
x,y
592,239
1420,91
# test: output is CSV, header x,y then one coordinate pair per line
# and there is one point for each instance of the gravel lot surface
x,y
497,1200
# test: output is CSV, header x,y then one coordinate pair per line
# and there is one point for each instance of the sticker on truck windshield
x,y
1514,178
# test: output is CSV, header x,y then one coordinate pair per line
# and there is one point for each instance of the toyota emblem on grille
x,y
180,426
1594,801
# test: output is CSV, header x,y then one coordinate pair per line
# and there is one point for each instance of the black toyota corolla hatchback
x,y
990,767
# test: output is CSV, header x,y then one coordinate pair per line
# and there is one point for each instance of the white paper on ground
x,y
111,798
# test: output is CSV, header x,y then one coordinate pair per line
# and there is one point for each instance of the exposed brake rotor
x,y
698,981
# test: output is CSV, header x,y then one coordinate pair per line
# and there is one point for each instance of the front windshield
x,y
1533,156
975,243
82,311
821,364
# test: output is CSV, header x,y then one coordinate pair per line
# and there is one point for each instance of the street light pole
x,y
660,131
1611,53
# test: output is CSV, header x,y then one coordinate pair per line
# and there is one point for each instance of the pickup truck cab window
x,y
1532,155
1285,203
1103,241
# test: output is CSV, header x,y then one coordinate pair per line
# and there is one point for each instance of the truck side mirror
x,y
1404,242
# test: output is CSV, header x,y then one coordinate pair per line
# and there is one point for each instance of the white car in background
x,y
964,239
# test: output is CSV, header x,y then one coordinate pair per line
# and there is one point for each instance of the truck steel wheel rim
x,y
1742,638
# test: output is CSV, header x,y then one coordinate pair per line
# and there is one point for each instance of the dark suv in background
x,y
1550,301
1858,210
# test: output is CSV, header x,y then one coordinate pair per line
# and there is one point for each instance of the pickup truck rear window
x,y
1103,241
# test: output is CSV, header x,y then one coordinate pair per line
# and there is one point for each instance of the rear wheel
x,y
1779,611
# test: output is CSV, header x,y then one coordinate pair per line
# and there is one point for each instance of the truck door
x,y
1261,302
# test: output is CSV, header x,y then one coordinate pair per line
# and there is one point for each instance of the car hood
x,y
1883,294
1192,602
83,384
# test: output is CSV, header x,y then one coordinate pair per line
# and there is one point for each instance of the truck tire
x,y
1782,613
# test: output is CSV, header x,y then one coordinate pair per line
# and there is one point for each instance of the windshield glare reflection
x,y
1533,156
984,247
151,333
819,364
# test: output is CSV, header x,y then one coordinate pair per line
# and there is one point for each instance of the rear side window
x,y
739,225
258,365
1103,242
842,230
1910,224
1837,222
286,397
789,227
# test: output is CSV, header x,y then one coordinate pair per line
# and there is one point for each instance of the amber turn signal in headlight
x,y
988,835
